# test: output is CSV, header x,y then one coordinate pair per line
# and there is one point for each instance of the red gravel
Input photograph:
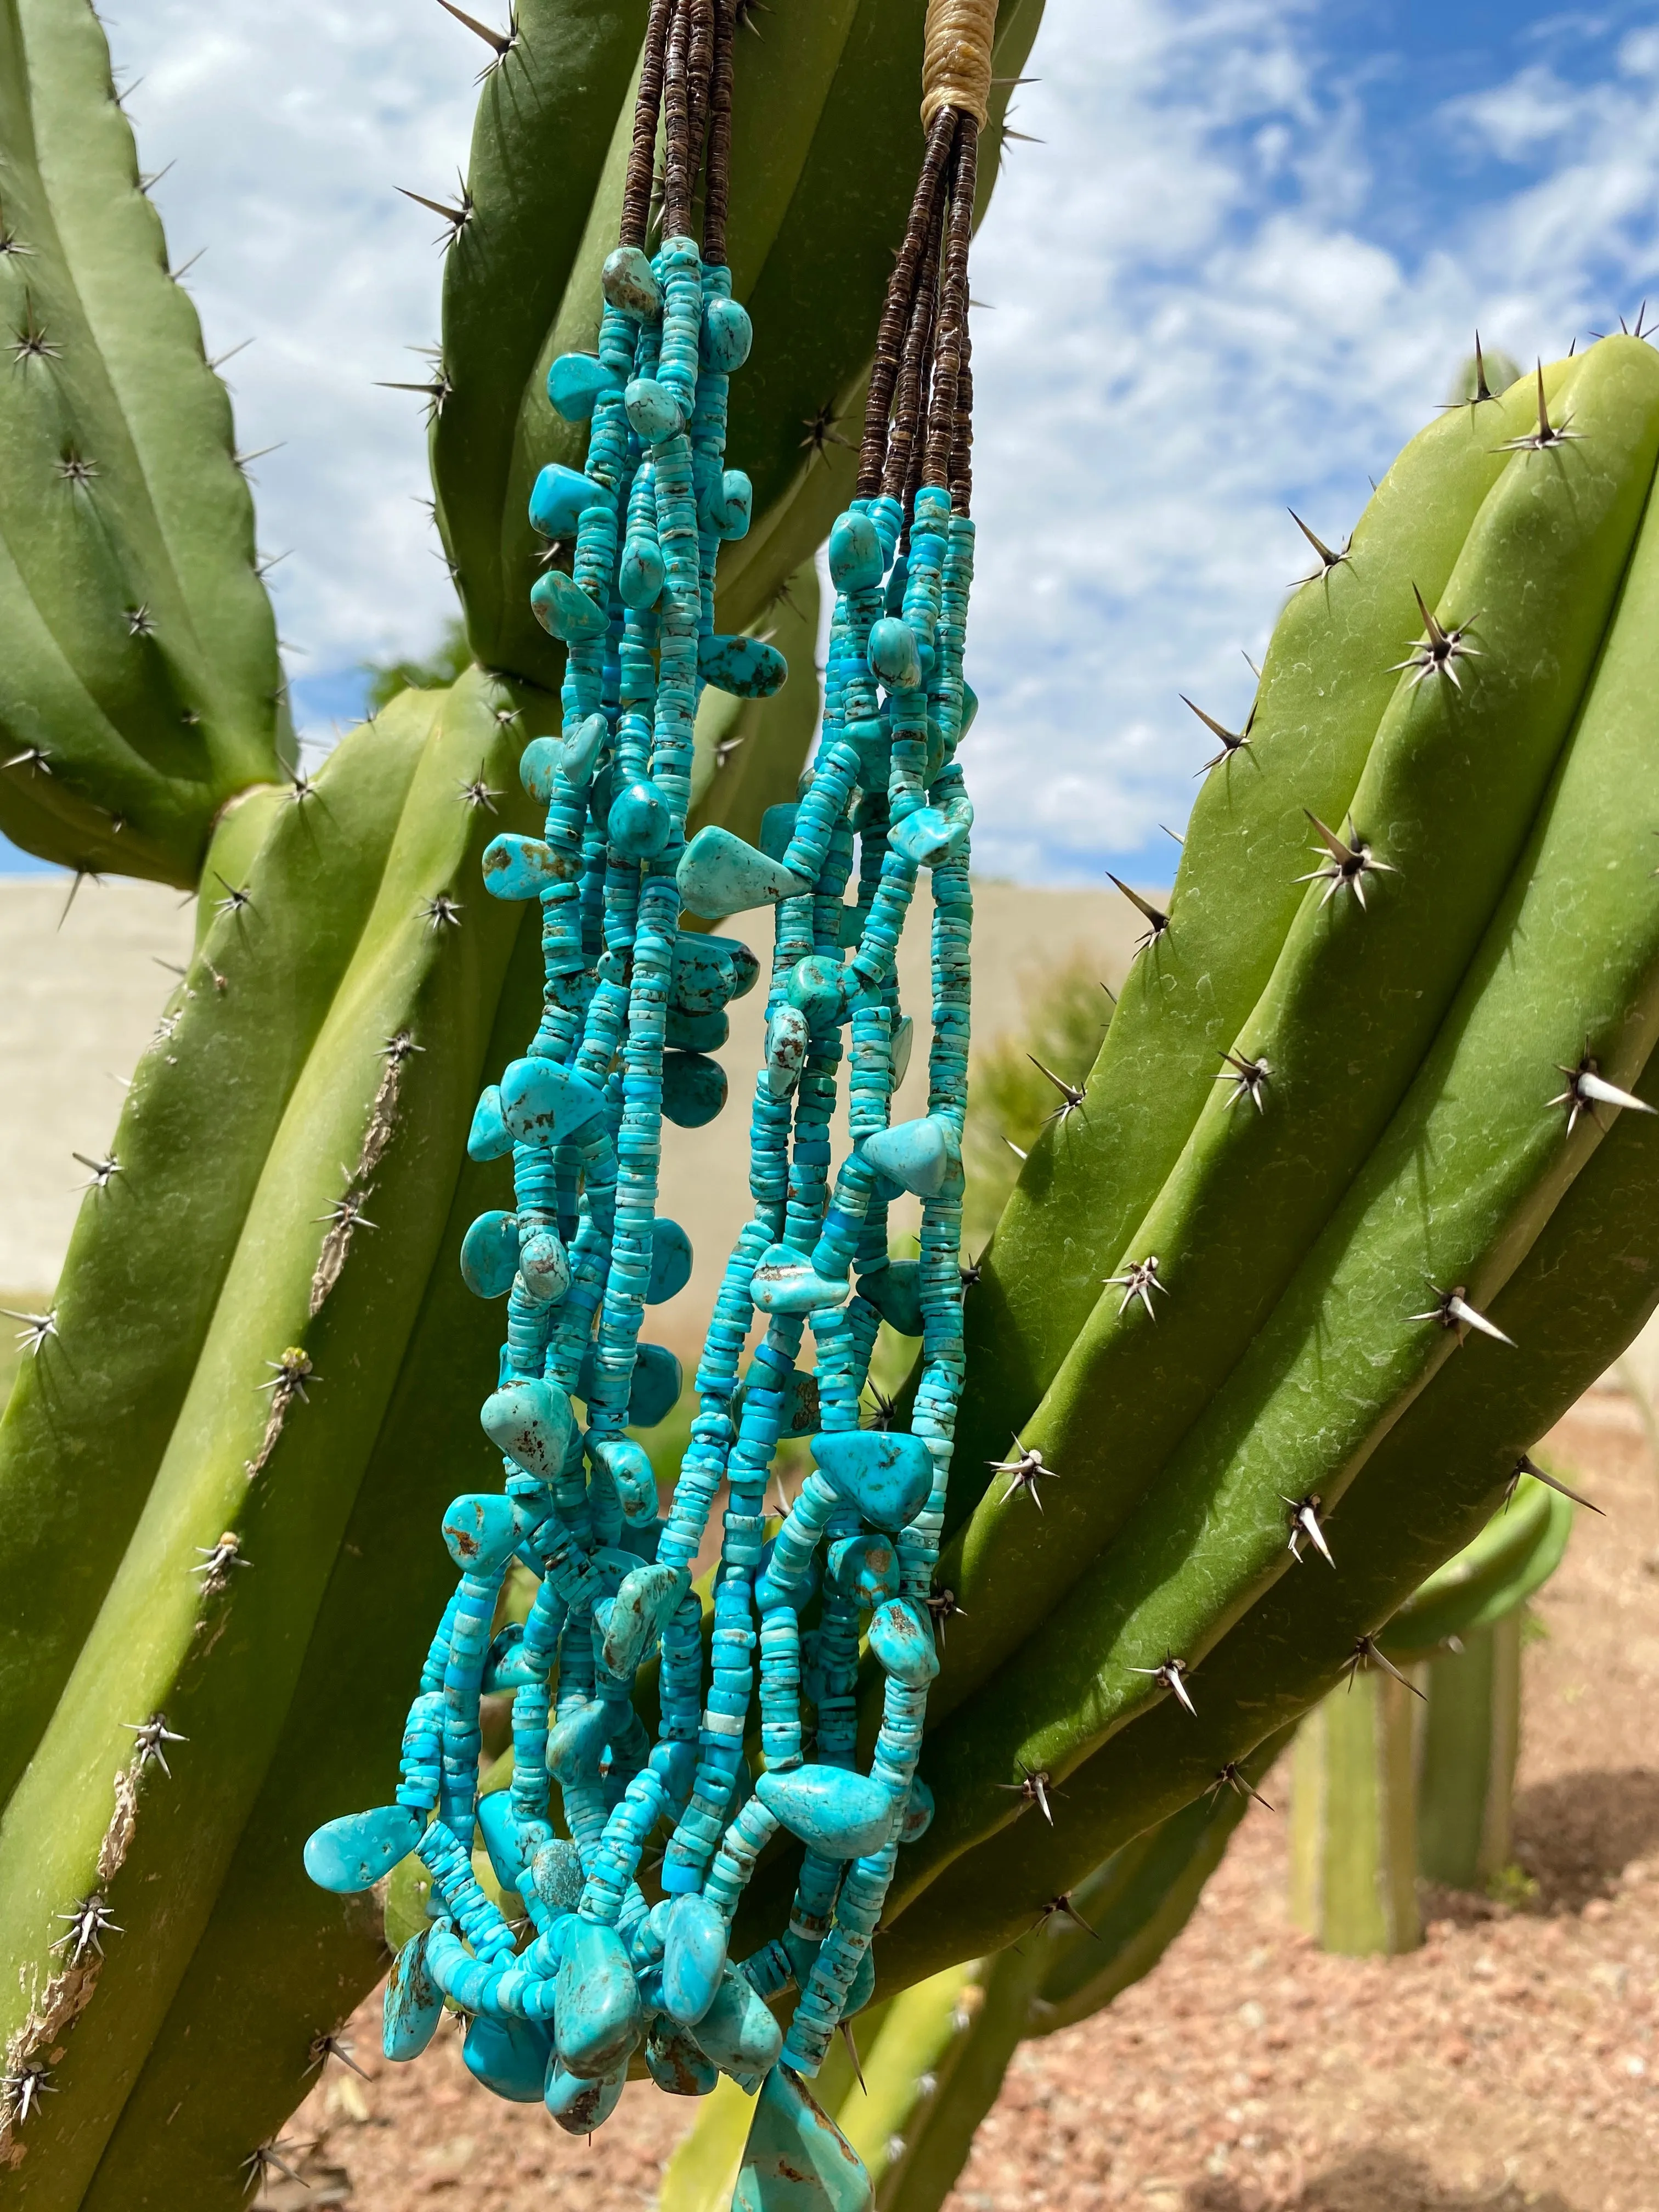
x,y
1510,2063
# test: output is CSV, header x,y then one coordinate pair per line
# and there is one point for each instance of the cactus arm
x,y
1325,687
1250,1191
1516,1552
141,671
313,1956
148,1255
1429,1487
1471,1740
176,412
224,1667
1353,1821
561,86
764,740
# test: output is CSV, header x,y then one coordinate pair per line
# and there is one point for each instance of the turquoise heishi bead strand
x,y
598,1967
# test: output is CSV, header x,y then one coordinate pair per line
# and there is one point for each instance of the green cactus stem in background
x,y
1354,1823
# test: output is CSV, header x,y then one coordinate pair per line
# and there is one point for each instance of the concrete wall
x,y
79,994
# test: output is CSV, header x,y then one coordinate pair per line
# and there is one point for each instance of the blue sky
x,y
1237,272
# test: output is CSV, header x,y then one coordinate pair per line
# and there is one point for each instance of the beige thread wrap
x,y
955,61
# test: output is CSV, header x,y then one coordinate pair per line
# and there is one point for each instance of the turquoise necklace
x,y
558,2007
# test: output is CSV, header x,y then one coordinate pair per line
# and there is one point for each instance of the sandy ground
x,y
1510,2063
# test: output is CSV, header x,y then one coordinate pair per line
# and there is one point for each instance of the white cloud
x,y
1208,305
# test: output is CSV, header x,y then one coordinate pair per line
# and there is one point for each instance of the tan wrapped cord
x,y
955,61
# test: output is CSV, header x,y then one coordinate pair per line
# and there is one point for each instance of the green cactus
x,y
1409,1768
262,1334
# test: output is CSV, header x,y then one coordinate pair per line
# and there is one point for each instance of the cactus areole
x,y
601,1970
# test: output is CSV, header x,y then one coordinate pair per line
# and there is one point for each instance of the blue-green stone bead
x,y
731,505
641,821
727,336
516,867
531,1422
719,874
413,2005
920,1156
509,2056
855,554
895,1291
490,1256
693,1089
641,574
903,1641
885,1472
629,285
544,1267
653,410
694,1959
560,496
695,1032
676,2064
893,655
541,1103
670,1261
832,1809
564,610
580,2106
352,1853
575,382
747,667
598,2003
489,1137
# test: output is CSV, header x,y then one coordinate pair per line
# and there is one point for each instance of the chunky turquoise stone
x,y
893,654
903,1641
647,1599
629,1465
560,496
969,708
747,667
918,1156
628,282
670,1261
641,574
695,1032
480,1530
925,837
653,413
641,821
581,2106
575,382
871,739
855,559
564,610
531,1422
864,1569
413,2005
543,1268
903,1038
788,1041
658,1377
489,1138
786,1283
815,987
509,2056
738,2033
886,1473
544,758
833,1809
918,1812
596,2001
777,830
693,1089
490,1255
727,336
508,1664
894,1292
577,1743
694,1959
516,867
542,1102
720,874
555,1873
353,1852
676,2064
710,971
731,506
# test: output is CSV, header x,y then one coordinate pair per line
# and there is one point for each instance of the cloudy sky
x,y
1237,269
